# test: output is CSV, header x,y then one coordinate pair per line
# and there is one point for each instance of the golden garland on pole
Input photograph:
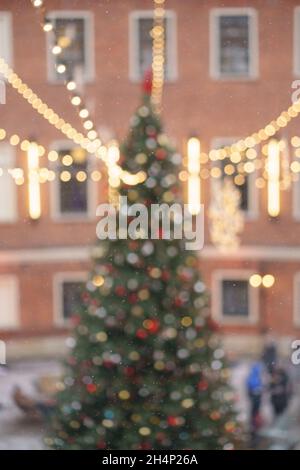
x,y
158,53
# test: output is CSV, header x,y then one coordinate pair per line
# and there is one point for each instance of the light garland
x,y
42,108
273,169
290,171
194,182
72,85
34,191
109,155
226,217
158,53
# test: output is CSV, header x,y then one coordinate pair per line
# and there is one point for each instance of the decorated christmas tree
x,y
145,369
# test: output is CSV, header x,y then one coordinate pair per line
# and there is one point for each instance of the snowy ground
x,y
17,433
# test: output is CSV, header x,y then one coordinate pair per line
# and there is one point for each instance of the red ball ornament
x,y
165,276
72,361
133,298
91,388
108,364
120,291
172,420
160,154
141,334
129,371
85,297
202,385
147,83
101,445
153,326
178,302
146,446
133,245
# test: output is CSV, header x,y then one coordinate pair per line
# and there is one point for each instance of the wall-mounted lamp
x,y
34,192
267,281
194,183
273,169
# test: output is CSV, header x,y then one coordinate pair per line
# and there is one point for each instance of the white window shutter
x,y
9,303
6,36
8,189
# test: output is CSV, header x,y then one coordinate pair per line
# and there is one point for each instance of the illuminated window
x,y
73,33
234,51
6,36
141,23
248,190
297,41
8,188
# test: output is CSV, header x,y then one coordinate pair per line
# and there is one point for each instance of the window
x,y
6,37
9,303
297,300
72,198
296,200
68,288
8,189
297,41
140,50
234,300
73,32
234,43
248,191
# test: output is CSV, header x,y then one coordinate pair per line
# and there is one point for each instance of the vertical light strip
x,y
273,169
114,171
34,192
158,53
194,183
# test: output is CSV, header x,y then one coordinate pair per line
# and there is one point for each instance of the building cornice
x,y
83,253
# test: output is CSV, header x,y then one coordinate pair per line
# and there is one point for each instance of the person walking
x,y
255,387
280,390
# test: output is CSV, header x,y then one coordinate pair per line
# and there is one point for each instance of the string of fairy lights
x,y
158,53
73,81
259,153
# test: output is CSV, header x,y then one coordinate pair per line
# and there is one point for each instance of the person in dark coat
x,y
255,388
269,355
280,391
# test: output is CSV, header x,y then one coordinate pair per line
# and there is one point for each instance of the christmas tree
x,y
145,369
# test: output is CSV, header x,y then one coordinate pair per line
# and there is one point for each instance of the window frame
x,y
215,71
16,293
253,201
89,34
217,297
171,51
296,300
8,25
296,38
12,153
59,279
56,214
296,200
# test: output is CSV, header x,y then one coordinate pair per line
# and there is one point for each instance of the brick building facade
x,y
230,68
